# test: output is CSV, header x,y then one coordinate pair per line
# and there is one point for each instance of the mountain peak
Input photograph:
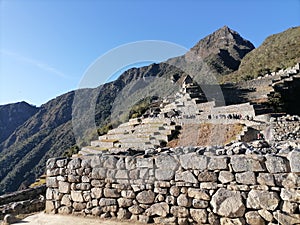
x,y
225,46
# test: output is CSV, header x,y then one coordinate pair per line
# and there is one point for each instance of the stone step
x,y
134,140
91,150
104,143
134,145
124,136
120,130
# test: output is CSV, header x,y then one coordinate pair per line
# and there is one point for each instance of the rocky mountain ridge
x,y
14,115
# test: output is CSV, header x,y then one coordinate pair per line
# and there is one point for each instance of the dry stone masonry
x,y
130,173
180,186
22,202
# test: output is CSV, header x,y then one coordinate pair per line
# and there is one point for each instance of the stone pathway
x,y
49,219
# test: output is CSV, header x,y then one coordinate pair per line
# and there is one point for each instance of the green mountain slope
x,y
14,115
278,51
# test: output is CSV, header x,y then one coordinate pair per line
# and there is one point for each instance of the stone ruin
x,y
132,173
235,184
188,107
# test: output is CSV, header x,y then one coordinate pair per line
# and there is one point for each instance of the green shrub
x,y
71,151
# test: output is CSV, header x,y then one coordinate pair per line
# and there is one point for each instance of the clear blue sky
x,y
46,46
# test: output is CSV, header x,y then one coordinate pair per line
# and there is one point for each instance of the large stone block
x,y
53,172
77,196
66,200
218,163
96,161
266,179
242,163
207,176
289,207
128,194
130,163
99,173
164,174
276,164
159,209
225,177
96,211
122,174
179,211
121,164
62,162
107,202
51,164
258,199
193,161
136,209
123,214
287,219
145,197
253,218
52,182
79,206
166,162
110,162
184,200
246,178
50,207
97,183
124,202
111,193
228,203
73,178
294,159
290,195
198,194
74,164
86,162
185,176
144,162
96,192
64,187
199,215
174,191
49,194
65,210
266,215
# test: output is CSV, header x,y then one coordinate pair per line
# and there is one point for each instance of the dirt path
x,y
46,219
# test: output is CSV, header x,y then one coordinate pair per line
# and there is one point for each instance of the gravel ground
x,y
47,219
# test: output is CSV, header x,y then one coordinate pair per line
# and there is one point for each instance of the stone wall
x,y
23,202
183,187
286,128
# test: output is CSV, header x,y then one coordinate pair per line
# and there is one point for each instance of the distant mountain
x,y
222,50
49,131
14,115
278,51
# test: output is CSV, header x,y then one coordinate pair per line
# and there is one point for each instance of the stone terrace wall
x,y
23,202
286,128
183,188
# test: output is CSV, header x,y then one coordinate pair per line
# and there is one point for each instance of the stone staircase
x,y
287,77
188,106
141,134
